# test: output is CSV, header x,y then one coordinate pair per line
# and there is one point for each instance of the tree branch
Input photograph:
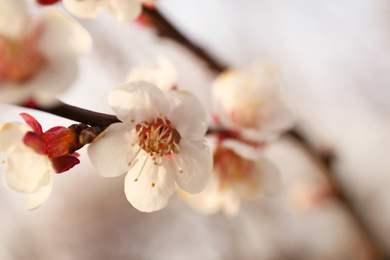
x,y
166,29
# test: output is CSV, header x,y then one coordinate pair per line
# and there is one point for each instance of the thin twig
x,y
80,115
166,29
325,160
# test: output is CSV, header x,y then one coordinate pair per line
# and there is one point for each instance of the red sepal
x,y
144,21
64,163
59,141
46,2
35,141
32,122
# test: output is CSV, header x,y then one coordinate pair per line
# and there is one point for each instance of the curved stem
x,y
80,115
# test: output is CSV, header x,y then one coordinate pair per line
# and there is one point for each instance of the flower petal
x,y
242,149
25,169
137,101
12,134
13,17
188,115
112,152
62,70
162,74
13,93
151,190
283,119
62,35
83,9
195,161
272,182
124,10
32,122
37,198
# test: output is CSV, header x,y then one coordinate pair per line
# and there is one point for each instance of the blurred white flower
x,y
33,156
249,101
305,195
240,173
123,10
159,142
163,74
37,54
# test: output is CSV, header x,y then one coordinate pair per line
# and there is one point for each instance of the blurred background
x,y
334,58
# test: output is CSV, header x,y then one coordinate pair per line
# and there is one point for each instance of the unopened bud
x,y
88,135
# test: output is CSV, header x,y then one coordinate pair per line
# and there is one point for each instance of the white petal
x,y
13,93
137,101
231,205
162,74
195,161
11,135
112,153
25,169
84,9
62,35
13,17
37,198
55,77
124,10
283,119
244,150
263,178
272,182
188,115
209,201
142,194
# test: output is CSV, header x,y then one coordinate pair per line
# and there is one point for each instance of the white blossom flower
x,y
159,142
249,101
163,74
240,173
37,54
32,156
124,10
26,171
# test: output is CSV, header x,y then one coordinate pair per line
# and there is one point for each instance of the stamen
x,y
177,147
143,124
164,132
140,130
177,165
157,138
143,165
135,156
153,184
163,119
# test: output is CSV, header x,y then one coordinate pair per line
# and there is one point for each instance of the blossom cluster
x,y
158,134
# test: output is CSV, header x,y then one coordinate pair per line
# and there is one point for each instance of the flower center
x,y
231,167
19,59
158,137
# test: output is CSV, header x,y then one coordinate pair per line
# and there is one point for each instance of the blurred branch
x,y
325,160
166,29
